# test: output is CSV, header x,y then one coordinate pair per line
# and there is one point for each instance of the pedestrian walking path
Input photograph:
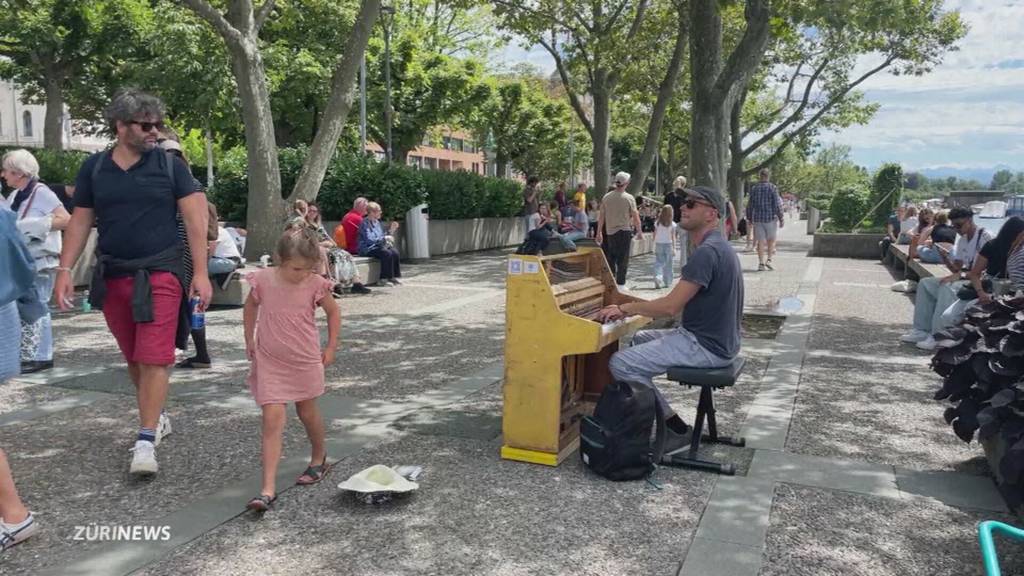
x,y
848,469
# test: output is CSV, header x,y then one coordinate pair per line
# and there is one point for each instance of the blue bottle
x,y
198,316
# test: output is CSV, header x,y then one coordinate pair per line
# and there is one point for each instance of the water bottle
x,y
198,316
86,305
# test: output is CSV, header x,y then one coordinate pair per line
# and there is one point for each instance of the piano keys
x,y
556,350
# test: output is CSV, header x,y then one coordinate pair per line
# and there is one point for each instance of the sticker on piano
x,y
532,267
515,266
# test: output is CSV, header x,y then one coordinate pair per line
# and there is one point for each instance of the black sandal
x,y
192,363
261,503
315,473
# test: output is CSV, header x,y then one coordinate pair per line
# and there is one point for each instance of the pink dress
x,y
287,365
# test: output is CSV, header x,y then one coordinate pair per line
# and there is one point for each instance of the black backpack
x,y
616,441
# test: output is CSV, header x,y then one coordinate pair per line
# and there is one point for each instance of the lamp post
x,y
362,106
387,12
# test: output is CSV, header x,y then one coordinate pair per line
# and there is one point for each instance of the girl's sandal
x,y
261,503
314,474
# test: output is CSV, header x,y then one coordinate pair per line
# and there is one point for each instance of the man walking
x,y
531,198
134,193
708,296
618,218
765,215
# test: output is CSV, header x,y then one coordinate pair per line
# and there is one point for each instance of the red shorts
x,y
144,342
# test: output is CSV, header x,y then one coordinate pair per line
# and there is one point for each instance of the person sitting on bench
x,y
711,292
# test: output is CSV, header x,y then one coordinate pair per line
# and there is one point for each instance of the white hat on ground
x,y
377,478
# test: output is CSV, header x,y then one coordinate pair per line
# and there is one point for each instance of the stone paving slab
x,y
738,511
816,532
717,558
862,478
951,489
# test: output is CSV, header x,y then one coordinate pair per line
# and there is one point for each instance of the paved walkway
x,y
849,468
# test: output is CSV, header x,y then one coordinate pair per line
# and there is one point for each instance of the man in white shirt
x,y
935,295
226,256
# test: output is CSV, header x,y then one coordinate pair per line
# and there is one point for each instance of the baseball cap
x,y
621,178
709,195
170,145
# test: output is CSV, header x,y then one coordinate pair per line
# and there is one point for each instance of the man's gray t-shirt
x,y
713,314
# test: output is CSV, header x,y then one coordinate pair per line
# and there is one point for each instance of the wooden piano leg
x,y
595,373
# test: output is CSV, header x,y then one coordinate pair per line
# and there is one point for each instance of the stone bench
x,y
914,269
236,290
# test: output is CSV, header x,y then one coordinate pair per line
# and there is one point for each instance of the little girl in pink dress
x,y
283,343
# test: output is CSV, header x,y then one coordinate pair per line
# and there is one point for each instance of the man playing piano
x,y
708,296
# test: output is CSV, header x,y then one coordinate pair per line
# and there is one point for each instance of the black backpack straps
x,y
96,168
169,166
660,434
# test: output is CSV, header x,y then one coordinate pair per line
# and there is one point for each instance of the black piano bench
x,y
708,379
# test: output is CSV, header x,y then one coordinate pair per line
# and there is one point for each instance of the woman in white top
x,y
41,216
665,232
908,225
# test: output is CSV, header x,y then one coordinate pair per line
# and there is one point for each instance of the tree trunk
x,y
708,134
602,124
343,87
736,156
266,210
53,122
665,92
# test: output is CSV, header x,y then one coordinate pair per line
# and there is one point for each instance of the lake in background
x,y
991,224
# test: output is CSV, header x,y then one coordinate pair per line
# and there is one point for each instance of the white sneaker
x,y
927,344
11,534
914,335
657,284
143,459
163,428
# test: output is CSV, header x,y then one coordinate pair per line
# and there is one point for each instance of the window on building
x,y
430,163
468,146
457,144
414,161
26,121
447,142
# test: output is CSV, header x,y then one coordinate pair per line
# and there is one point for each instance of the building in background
x,y
22,124
455,150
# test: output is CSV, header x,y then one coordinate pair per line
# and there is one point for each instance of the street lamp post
x,y
387,12
362,106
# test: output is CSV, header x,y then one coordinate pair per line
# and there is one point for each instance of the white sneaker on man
x,y
163,428
143,458
927,344
914,336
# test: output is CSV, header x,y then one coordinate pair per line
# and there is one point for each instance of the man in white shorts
x,y
765,215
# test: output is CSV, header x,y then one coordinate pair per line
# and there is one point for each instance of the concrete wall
x,y
846,245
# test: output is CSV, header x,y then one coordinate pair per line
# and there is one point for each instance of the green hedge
x,y
451,195
847,208
55,167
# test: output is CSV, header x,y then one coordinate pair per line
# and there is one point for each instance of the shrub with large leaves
x,y
981,362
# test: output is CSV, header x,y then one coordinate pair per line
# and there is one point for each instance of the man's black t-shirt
x,y
675,200
135,209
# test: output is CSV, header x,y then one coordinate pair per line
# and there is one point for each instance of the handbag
x,y
967,291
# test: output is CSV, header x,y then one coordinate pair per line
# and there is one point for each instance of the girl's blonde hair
x,y
942,217
665,216
298,242
372,206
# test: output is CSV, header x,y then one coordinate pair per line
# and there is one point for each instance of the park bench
x,y
899,256
236,290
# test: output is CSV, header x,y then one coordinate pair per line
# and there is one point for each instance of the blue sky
x,y
967,113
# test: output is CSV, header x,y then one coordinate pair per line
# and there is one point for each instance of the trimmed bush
x,y
847,207
887,184
397,188
55,167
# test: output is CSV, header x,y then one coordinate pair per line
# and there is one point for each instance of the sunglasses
x,y
692,203
148,126
959,225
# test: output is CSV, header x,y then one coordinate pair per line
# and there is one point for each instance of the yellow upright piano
x,y
556,350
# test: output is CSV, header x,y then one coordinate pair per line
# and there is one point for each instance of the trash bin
x,y
813,216
417,234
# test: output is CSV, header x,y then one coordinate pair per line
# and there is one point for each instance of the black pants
x,y
886,242
388,262
616,249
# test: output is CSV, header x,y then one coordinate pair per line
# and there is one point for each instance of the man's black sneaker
x,y
33,366
360,289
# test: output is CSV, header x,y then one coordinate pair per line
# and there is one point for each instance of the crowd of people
x,y
978,265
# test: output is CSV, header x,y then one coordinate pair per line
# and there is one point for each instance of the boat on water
x,y
1015,205
993,209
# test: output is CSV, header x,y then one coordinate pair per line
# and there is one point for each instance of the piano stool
x,y
708,379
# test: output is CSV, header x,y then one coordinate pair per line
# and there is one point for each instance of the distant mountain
x,y
982,175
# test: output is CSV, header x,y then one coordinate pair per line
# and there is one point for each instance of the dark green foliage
x,y
451,195
55,166
847,207
887,185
